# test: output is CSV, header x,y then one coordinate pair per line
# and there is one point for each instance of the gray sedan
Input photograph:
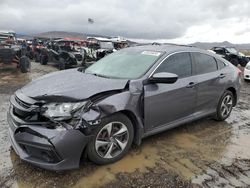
x,y
121,99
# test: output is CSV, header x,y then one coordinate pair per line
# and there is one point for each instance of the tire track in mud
x,y
219,175
233,170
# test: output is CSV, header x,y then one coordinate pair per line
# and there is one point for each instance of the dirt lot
x,y
205,153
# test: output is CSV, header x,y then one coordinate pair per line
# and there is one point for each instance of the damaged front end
x,y
53,135
48,136
52,122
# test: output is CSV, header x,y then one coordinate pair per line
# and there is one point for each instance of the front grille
x,y
21,114
22,103
25,111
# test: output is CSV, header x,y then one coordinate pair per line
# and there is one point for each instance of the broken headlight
x,y
62,111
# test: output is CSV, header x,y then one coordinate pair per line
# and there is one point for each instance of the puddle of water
x,y
141,160
177,150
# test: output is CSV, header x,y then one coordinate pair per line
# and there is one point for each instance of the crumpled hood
x,y
70,85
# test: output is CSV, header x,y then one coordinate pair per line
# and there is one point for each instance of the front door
x,y
166,103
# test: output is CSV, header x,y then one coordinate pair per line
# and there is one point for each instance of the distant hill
x,y
53,34
60,34
209,45
64,34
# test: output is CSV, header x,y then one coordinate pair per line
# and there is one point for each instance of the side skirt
x,y
177,123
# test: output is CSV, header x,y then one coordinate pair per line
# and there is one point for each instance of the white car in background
x,y
247,71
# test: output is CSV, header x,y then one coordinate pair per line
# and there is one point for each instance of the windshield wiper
x,y
100,75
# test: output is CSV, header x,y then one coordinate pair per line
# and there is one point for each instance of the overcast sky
x,y
166,20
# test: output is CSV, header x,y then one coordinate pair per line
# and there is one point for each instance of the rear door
x,y
166,103
210,82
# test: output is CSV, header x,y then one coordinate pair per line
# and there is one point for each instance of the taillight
x,y
239,72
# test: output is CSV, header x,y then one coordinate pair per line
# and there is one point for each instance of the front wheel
x,y
37,58
62,64
43,60
24,64
112,139
225,106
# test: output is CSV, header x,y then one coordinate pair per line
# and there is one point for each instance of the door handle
x,y
191,85
222,75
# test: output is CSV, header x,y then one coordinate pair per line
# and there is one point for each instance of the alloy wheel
x,y
226,105
111,140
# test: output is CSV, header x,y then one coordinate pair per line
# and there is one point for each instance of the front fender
x,y
124,102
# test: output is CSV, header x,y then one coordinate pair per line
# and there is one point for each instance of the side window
x,y
179,64
204,63
220,64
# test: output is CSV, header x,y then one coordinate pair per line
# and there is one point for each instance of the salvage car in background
x,y
119,42
63,52
124,97
11,53
247,72
36,48
232,55
98,47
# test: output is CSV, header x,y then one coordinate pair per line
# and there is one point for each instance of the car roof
x,y
170,48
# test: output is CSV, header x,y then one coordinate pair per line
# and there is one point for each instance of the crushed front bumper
x,y
52,149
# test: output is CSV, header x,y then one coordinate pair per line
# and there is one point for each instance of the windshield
x,y
232,50
129,63
106,45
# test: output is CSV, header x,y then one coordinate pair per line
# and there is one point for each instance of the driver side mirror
x,y
164,78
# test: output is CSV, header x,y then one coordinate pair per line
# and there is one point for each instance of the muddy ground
x,y
205,153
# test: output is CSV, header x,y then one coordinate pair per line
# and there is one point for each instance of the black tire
x,y
219,113
62,64
24,64
43,60
83,64
91,150
243,63
37,59
234,61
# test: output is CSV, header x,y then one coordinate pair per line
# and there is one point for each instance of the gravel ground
x,y
205,153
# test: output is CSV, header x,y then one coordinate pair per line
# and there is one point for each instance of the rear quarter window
x,y
220,64
204,63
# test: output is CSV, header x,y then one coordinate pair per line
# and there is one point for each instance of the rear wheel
x,y
43,60
112,139
225,106
36,57
24,64
62,64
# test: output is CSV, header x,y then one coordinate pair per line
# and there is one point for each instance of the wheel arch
x,y
137,128
233,90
